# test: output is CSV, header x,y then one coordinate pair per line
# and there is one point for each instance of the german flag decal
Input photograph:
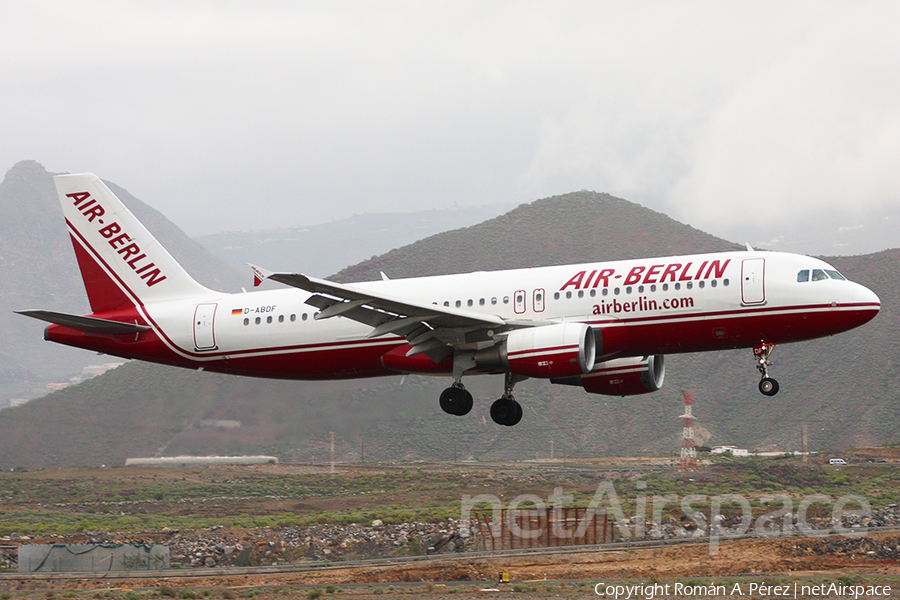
x,y
237,311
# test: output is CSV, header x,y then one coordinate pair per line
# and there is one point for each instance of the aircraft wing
x,y
430,329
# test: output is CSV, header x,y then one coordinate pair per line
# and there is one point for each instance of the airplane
x,y
603,326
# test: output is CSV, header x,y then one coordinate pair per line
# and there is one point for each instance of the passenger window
x,y
246,321
469,302
293,318
505,299
268,319
494,300
281,318
446,303
818,275
458,303
257,320
835,275
481,302
803,276
304,316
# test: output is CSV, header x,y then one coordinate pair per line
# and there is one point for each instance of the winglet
x,y
749,247
259,274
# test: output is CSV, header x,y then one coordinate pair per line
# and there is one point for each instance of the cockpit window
x,y
835,275
818,275
803,276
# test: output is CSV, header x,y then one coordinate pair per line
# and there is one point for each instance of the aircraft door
x,y
539,300
519,301
753,281
204,322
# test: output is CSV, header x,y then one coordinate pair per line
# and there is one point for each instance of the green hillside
x,y
843,388
577,227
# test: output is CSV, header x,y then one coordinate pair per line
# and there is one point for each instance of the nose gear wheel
x,y
761,352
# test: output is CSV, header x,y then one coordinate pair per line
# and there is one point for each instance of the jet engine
x,y
561,350
627,376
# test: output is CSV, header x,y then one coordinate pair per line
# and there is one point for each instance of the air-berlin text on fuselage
x,y
118,239
644,275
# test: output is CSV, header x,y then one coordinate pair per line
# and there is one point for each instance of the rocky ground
x,y
227,547
839,560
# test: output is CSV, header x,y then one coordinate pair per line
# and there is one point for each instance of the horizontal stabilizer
x,y
84,324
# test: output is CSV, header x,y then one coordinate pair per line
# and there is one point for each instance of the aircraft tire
x,y
506,411
768,386
456,401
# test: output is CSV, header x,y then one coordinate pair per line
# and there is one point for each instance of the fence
x,y
541,528
92,558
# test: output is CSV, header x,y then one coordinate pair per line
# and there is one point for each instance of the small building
x,y
196,461
734,450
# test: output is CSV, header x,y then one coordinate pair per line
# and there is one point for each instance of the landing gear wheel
x,y
456,400
506,411
768,386
761,352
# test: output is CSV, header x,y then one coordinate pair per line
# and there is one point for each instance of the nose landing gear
x,y
761,352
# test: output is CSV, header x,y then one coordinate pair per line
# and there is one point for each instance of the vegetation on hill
x,y
571,228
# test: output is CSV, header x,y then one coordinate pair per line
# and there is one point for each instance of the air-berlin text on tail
x,y
641,274
118,239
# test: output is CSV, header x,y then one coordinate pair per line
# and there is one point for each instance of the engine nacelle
x,y
610,339
627,376
562,350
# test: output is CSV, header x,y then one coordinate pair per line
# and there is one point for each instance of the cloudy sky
x,y
739,118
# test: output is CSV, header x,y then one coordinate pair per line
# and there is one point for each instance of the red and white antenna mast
x,y
688,450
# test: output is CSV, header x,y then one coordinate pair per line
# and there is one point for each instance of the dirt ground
x,y
864,561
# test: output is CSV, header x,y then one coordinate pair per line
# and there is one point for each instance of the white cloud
x,y
234,115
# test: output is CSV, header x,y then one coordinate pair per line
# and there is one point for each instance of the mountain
x,y
844,389
348,240
571,228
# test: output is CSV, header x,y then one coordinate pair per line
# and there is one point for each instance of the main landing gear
x,y
456,400
761,352
506,411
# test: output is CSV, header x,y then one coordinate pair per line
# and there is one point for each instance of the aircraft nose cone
x,y
868,301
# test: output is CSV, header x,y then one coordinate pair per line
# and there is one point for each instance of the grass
x,y
71,501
